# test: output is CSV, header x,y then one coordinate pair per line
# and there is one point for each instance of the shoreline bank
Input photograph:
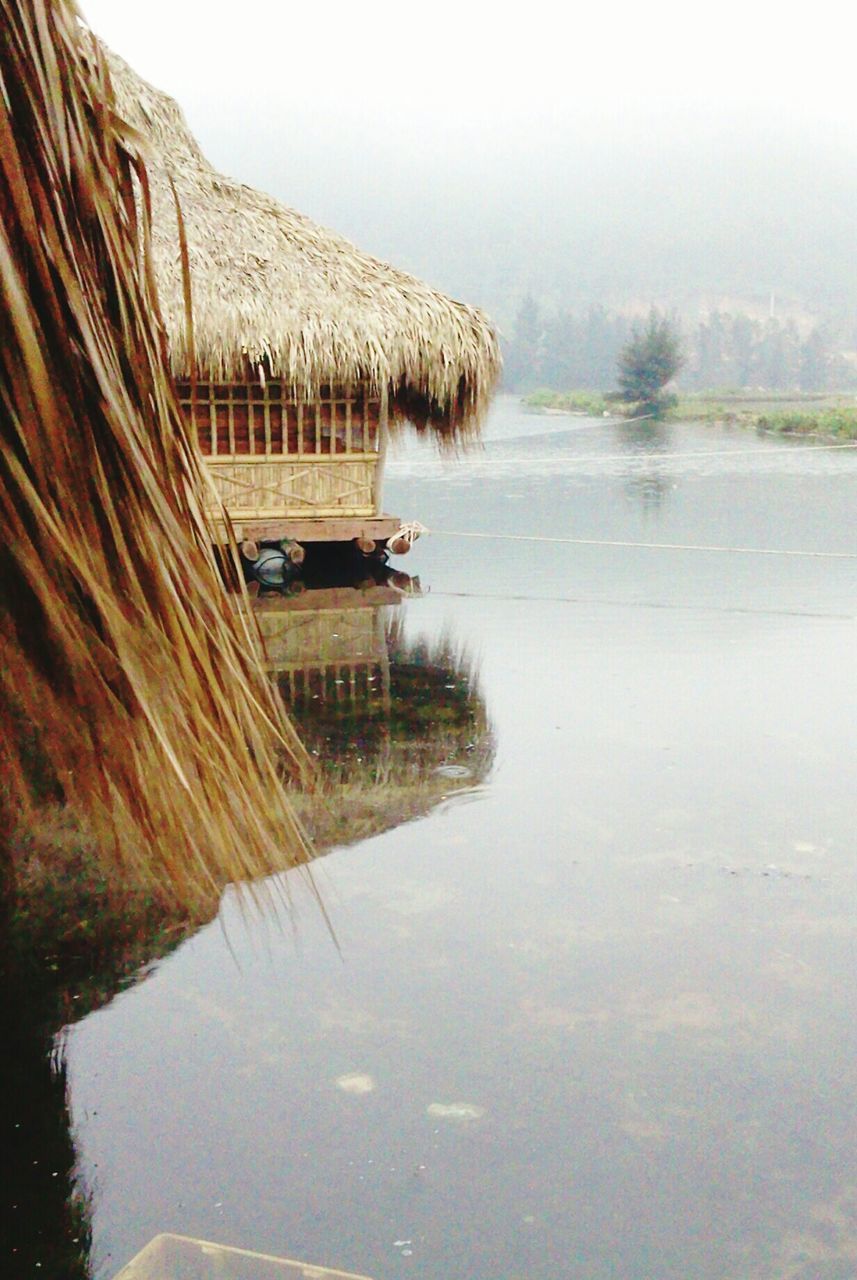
x,y
830,417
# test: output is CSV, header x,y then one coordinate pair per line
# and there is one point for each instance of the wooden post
x,y
383,433
230,417
266,417
348,418
251,415
212,418
293,551
194,426
367,421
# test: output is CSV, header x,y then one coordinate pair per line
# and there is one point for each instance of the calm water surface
x,y
594,1014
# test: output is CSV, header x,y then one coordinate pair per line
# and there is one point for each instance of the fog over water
x,y
591,1009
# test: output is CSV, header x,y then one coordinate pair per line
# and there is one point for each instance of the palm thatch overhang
x,y
127,688
273,293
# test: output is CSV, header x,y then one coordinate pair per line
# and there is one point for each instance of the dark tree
x,y
524,357
650,359
713,352
744,341
778,356
815,362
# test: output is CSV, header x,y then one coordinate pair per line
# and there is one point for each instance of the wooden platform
x,y
319,599
306,529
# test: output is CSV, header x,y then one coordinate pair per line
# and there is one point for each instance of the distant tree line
x,y
562,350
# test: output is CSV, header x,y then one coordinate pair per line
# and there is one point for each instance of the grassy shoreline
x,y
829,416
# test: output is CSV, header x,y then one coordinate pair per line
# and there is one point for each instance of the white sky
x,y
462,68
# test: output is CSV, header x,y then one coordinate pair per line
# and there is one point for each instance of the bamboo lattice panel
x,y
281,488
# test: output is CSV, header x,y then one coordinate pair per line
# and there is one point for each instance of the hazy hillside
x,y
692,222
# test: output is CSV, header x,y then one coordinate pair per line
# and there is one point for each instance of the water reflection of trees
x,y
649,441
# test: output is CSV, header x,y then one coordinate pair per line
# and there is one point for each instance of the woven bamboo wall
x,y
322,638
279,488
274,457
328,657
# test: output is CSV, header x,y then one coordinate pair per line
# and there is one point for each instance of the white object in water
x,y
455,1110
453,771
171,1257
355,1082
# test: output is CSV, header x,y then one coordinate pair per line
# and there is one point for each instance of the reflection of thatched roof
x,y
272,288
398,724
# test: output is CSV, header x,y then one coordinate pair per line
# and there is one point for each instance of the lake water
x,y
590,1009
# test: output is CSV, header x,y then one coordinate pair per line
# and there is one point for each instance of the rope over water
x,y
647,546
565,460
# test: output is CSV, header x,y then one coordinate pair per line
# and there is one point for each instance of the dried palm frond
x,y
144,690
271,288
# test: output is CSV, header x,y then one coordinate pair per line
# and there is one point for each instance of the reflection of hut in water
x,y
306,351
397,724
329,646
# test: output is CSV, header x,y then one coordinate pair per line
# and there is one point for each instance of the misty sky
x,y
460,67
579,150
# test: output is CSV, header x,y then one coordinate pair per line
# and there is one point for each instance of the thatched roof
x,y
271,288
126,682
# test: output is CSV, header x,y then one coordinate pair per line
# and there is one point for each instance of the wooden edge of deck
x,y
321,529
322,599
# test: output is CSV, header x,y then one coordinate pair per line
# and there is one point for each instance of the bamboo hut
x,y
305,352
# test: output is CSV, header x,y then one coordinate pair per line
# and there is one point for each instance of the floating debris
x,y
453,771
355,1082
455,1110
